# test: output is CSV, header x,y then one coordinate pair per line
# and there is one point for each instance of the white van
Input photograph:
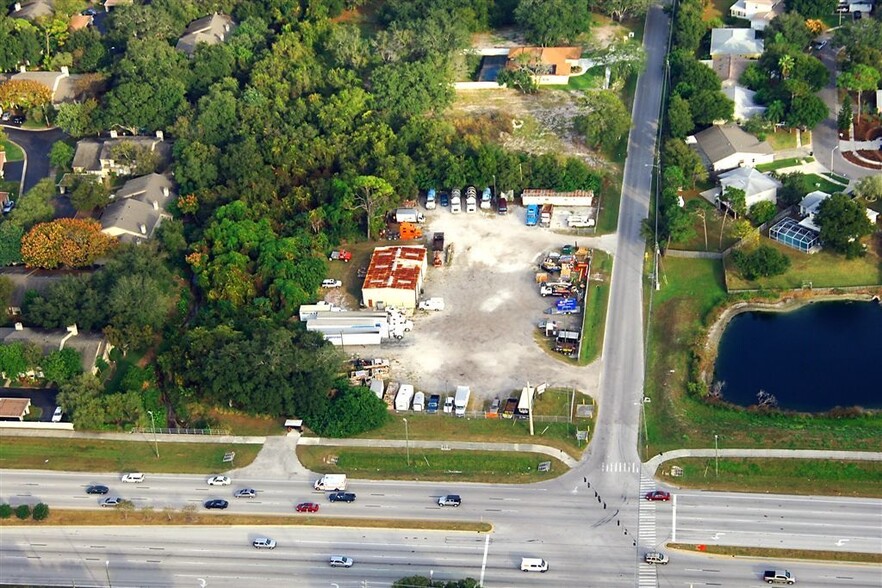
x,y
133,478
455,201
533,564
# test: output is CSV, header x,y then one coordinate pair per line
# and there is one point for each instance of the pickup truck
x,y
778,577
432,304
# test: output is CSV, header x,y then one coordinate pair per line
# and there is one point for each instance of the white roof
x,y
749,180
745,104
735,42
812,201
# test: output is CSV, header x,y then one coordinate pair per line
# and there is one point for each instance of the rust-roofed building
x,y
574,198
555,61
14,409
395,277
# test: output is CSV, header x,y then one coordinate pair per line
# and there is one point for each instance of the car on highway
x,y
658,495
331,283
450,500
216,503
340,561
245,493
341,497
112,501
655,557
97,489
778,577
264,543
307,507
219,481
133,478
534,564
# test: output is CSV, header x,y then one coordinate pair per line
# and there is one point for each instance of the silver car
x,y
340,561
264,543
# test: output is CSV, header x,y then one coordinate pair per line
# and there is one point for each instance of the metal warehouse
x,y
395,277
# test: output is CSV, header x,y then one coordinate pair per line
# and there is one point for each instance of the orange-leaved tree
x,y
24,94
68,242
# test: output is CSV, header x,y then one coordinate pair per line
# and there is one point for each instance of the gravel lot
x,y
485,337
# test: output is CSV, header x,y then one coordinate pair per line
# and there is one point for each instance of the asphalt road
x,y
43,398
36,145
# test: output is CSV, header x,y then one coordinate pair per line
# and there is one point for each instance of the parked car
x,y
133,478
216,504
56,416
219,481
341,497
89,12
433,404
8,206
340,561
502,205
17,119
658,495
444,199
430,199
112,501
448,404
245,493
655,557
331,283
97,489
264,543
5,116
818,45
307,507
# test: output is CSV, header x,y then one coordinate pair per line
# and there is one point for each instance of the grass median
x,y
91,455
430,465
779,476
149,516
780,554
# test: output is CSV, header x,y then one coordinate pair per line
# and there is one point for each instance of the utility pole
x,y
716,456
406,441
530,404
153,426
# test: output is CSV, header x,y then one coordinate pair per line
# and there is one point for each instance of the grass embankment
x,y
594,318
442,428
780,476
89,455
429,464
690,290
781,554
13,151
171,517
823,269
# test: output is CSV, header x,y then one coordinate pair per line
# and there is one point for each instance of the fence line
x,y
158,431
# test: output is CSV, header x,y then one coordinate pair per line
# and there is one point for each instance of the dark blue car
x,y
444,199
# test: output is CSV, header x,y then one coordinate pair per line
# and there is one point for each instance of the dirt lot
x,y
485,337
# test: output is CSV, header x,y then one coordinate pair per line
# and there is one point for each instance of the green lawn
x,y
89,455
781,140
785,476
609,202
782,163
824,184
446,466
594,318
837,178
822,270
13,151
590,80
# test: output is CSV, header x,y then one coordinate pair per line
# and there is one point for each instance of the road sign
x,y
544,466
229,456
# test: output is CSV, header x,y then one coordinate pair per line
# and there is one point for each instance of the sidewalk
x,y
444,445
132,436
653,464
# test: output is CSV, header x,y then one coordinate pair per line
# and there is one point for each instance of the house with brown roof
x,y
550,65
80,21
211,30
395,277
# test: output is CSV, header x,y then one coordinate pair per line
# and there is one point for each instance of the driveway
x,y
36,145
42,397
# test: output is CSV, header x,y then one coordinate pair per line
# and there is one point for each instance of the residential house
x,y
102,157
809,206
551,65
80,21
63,86
759,12
211,30
757,186
90,346
14,409
851,6
24,281
138,208
745,102
725,147
111,4
735,42
38,9
729,69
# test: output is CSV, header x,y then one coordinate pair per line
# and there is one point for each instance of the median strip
x,y
772,553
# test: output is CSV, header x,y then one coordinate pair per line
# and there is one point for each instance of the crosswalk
x,y
631,467
646,536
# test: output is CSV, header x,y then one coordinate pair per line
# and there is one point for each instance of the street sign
x,y
229,456
545,466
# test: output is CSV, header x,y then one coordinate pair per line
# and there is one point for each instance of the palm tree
x,y
785,64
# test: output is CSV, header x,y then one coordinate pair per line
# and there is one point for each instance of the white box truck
x,y
432,304
331,482
408,215
404,397
419,401
579,221
455,201
461,400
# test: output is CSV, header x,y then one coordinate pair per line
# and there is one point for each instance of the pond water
x,y
812,359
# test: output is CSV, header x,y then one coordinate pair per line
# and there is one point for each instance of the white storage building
x,y
574,198
395,277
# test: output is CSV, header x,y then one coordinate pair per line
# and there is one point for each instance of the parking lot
x,y
486,336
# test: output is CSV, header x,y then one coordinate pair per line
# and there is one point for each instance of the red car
x,y
658,495
307,507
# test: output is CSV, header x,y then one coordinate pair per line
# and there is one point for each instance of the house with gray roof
x,y
138,208
33,10
27,280
211,30
725,147
64,86
736,42
90,346
118,155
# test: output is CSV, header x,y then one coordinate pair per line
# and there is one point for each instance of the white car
x,y
340,561
331,283
133,478
219,481
435,304
264,543
56,416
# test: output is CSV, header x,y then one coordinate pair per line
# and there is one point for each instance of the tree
x,y
607,121
373,195
552,22
843,222
689,27
5,511
869,188
679,154
708,107
806,111
408,89
843,120
62,365
61,155
78,119
80,398
735,200
862,41
34,206
812,8
790,28
7,288
680,122
424,582
23,511
65,242
764,261
10,243
622,9
41,511
785,65
89,194
24,94
520,78
353,411
123,408
794,188
70,300
859,78
762,212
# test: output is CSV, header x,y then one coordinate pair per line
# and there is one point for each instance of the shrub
x,y
5,511
41,511
23,511
764,261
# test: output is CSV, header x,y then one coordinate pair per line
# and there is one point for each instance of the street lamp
x,y
107,571
832,171
406,441
153,427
